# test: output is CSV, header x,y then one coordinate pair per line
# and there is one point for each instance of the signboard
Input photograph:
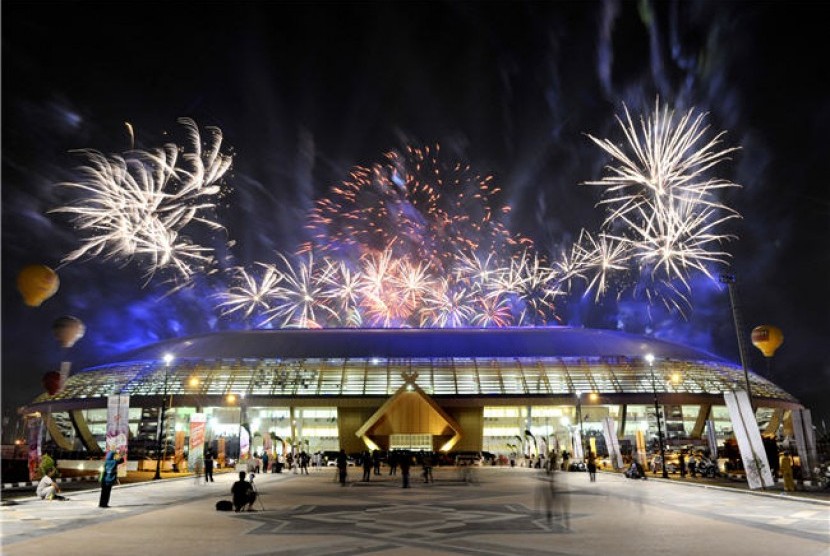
x,y
244,443
221,451
118,427
178,455
34,429
198,425
751,446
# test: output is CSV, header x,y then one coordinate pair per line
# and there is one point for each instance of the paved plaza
x,y
492,511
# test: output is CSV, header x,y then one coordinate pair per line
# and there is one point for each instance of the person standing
x,y
405,462
376,461
366,461
393,463
681,461
342,464
427,463
592,466
265,460
693,465
109,476
209,466
787,472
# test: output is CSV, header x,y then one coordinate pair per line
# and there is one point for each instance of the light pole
x,y
729,280
167,360
650,359
581,431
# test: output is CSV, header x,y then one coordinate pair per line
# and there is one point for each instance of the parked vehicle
x,y
468,458
672,464
707,468
330,459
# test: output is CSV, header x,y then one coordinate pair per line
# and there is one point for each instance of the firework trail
x,y
137,205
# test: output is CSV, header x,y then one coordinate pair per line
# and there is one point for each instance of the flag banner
x,y
221,451
244,443
118,427
178,455
198,425
64,373
34,429
609,431
751,446
642,455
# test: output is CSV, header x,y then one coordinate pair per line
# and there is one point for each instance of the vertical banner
x,y
178,455
198,425
64,373
221,449
34,429
642,456
805,441
753,455
267,444
244,443
712,439
118,427
609,431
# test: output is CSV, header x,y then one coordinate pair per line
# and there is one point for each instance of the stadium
x,y
495,390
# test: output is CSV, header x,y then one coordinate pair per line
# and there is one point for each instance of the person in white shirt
x,y
47,489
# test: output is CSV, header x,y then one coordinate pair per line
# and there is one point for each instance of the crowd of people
x,y
401,462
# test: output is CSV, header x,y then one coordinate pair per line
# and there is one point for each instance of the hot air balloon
x,y
51,382
767,339
68,330
37,283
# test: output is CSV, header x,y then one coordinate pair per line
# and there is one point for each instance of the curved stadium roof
x,y
509,362
418,343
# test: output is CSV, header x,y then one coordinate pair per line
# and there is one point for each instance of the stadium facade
x,y
493,390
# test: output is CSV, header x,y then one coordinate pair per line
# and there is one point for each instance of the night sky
x,y
304,91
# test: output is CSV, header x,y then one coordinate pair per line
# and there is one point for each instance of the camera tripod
x,y
258,495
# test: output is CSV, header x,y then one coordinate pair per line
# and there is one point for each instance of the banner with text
x,y
198,425
118,427
34,430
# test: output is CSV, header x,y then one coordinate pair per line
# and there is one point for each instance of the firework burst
x,y
137,205
663,210
250,294
424,205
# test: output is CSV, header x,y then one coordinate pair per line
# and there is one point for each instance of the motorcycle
x,y
707,468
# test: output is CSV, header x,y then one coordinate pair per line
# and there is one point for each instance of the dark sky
x,y
303,91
